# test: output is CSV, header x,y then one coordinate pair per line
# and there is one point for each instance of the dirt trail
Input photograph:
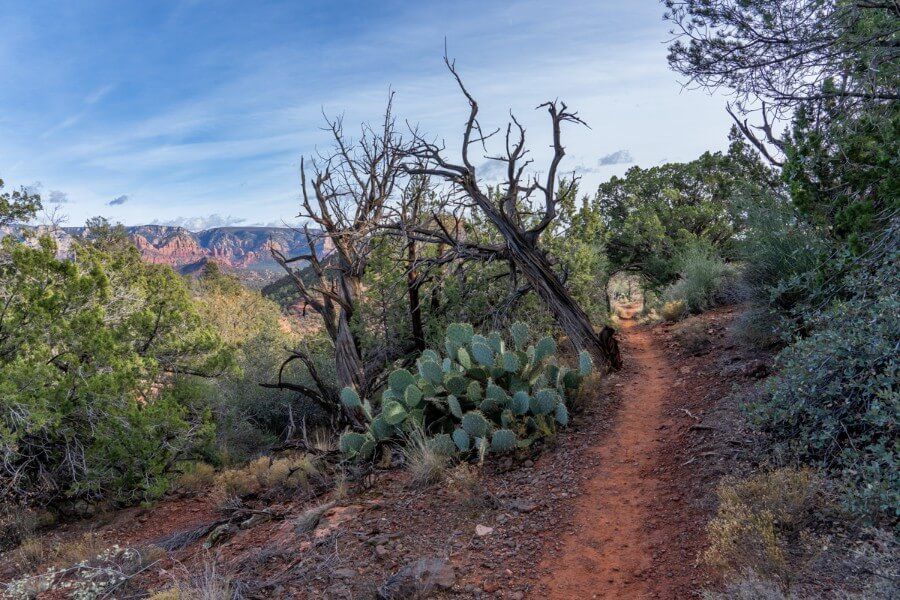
x,y
612,550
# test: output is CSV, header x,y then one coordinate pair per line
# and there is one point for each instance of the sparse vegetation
x,y
208,582
758,516
693,337
267,475
673,310
425,461
196,478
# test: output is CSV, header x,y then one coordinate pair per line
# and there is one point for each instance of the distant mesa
x,y
242,249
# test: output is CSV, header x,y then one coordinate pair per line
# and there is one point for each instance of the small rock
x,y
418,579
483,530
381,551
345,573
522,505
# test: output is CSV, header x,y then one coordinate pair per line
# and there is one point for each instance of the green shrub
x,y
704,281
484,396
781,257
92,403
836,395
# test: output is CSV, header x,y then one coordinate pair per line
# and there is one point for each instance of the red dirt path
x,y
628,539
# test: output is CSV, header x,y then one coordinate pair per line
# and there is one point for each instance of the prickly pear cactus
x,y
485,394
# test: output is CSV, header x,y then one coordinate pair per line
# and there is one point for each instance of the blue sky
x,y
197,111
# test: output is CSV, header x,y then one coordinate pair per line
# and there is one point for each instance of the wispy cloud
x,y
217,127
619,157
99,94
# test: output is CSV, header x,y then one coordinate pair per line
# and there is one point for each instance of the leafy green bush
x,y
483,396
781,257
836,396
704,280
95,400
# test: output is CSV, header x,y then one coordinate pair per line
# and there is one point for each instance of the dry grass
x,y
749,586
18,524
209,583
589,394
197,478
756,518
36,551
32,553
424,465
692,336
266,476
673,310
464,484
322,440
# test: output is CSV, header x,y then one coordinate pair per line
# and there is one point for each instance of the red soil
x,y
633,537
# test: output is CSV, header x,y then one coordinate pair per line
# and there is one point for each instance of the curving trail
x,y
613,549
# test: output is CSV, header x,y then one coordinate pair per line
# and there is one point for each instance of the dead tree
x,y
517,217
344,200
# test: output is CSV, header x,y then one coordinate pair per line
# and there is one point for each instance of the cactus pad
x,y
510,362
455,384
351,442
475,424
483,354
442,443
455,408
473,391
462,440
399,380
520,335
543,402
585,363
544,349
520,403
393,412
503,440
350,398
562,414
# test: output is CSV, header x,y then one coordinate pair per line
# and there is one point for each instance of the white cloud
x,y
57,197
203,222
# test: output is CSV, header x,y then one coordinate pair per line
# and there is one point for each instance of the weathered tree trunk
x,y
348,360
533,265
415,312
